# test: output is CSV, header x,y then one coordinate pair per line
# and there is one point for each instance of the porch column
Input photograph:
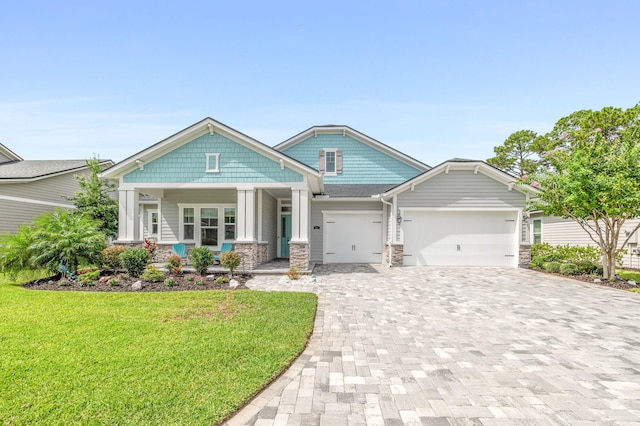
x,y
299,244
128,215
246,244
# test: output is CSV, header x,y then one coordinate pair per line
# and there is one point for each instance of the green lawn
x,y
142,358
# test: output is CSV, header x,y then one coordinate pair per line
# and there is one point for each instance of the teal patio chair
x,y
225,248
180,249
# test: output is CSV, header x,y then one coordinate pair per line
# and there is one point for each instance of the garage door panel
x,y
353,238
481,238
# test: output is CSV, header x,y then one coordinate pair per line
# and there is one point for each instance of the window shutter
x,y
321,166
339,161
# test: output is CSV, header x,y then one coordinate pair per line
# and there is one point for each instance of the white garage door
x,y
352,237
470,238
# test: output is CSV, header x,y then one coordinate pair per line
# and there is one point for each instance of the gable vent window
x,y
213,163
330,162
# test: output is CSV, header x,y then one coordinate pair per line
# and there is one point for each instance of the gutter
x,y
390,260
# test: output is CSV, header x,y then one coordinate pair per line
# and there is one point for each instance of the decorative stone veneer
x,y
163,251
524,255
299,255
249,254
263,253
397,254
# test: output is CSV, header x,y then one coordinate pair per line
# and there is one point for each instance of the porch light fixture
x,y
398,217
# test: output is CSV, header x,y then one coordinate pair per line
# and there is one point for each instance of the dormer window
x,y
330,162
213,163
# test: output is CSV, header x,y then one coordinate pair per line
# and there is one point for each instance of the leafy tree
x,y
521,153
95,200
595,177
68,237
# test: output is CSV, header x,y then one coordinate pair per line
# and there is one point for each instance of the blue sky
x,y
434,79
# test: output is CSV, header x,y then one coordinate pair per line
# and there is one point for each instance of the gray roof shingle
x,y
30,169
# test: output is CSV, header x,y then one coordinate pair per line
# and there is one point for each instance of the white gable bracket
x,y
475,170
210,128
281,164
446,169
511,184
140,164
413,186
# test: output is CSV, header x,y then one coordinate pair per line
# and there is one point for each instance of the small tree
x,y
95,200
595,178
230,260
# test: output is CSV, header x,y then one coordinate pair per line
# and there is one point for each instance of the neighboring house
x,y
558,231
29,188
327,195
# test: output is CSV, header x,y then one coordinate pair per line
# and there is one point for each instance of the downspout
x,y
388,239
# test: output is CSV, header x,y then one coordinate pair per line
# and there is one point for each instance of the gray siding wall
x,y
172,197
558,231
270,223
317,207
461,189
15,213
50,189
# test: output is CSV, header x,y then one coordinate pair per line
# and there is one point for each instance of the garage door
x,y
470,238
352,238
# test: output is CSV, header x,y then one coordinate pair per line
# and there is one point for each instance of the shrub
x,y
150,246
169,282
152,274
569,269
190,278
230,260
113,282
586,267
134,260
86,277
585,257
111,257
293,274
174,264
200,280
222,279
553,267
201,258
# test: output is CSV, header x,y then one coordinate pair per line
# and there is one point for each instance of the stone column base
x,y
263,253
397,257
524,255
299,255
249,254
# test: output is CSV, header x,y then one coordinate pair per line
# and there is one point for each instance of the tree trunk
x,y
609,264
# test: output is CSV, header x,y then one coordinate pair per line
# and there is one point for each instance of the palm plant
x,y
68,237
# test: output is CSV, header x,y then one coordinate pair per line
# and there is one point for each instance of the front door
x,y
285,234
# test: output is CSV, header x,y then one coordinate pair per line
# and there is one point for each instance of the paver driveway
x,y
458,346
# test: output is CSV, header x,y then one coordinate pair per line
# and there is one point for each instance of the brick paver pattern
x,y
457,346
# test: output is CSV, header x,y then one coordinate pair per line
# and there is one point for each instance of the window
x,y
153,223
330,161
213,163
200,224
189,223
537,231
209,226
230,223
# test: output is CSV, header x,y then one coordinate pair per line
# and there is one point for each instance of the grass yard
x,y
142,358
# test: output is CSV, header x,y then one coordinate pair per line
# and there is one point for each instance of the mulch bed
x,y
618,283
124,284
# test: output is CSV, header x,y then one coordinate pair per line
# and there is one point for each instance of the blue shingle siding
x,y
360,164
237,163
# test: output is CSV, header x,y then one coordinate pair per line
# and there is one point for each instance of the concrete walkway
x,y
457,346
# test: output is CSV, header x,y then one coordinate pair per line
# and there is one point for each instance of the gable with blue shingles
x,y
361,163
188,164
